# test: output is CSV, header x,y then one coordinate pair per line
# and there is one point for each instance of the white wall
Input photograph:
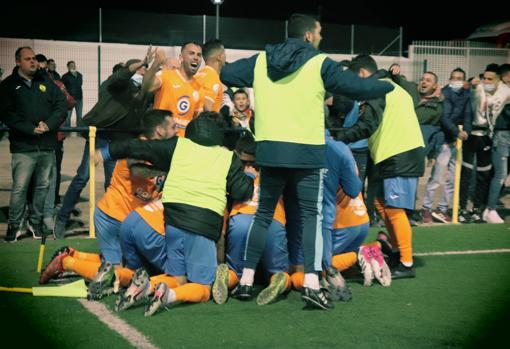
x,y
85,54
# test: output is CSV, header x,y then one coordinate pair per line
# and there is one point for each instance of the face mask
x,y
137,79
489,88
72,71
456,85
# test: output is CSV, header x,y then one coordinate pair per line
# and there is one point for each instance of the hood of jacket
x,y
285,58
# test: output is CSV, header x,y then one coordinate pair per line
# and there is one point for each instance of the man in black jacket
x,y
33,109
120,106
73,80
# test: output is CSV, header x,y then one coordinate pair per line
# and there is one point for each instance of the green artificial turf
x,y
457,301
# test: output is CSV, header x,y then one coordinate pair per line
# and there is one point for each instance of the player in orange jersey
x,y
209,75
177,90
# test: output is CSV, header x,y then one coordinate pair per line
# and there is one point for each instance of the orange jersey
x,y
250,206
212,87
349,212
181,97
152,214
126,192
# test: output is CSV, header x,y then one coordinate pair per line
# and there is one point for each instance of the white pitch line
x,y
128,332
446,253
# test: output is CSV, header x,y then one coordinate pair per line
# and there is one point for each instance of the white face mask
x,y
489,88
456,85
72,71
137,79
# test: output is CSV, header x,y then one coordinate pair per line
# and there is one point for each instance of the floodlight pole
x,y
217,21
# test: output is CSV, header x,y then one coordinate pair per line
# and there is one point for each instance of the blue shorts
x,y
340,241
398,192
275,257
190,254
141,244
349,239
107,230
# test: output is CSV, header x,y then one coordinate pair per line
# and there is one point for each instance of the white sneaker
x,y
492,217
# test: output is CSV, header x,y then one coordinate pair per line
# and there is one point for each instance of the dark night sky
x,y
436,20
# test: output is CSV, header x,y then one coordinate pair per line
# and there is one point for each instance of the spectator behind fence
x,y
33,109
73,80
488,100
500,145
120,106
52,69
290,80
457,110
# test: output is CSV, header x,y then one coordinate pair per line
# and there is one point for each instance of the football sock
x,y
85,256
384,215
403,233
311,281
298,279
84,268
167,279
247,277
125,276
344,261
192,292
233,279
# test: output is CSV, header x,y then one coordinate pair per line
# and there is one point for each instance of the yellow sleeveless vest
x,y
292,108
399,130
201,182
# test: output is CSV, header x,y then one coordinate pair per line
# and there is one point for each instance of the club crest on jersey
x,y
183,105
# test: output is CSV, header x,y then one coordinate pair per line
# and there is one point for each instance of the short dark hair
x,y
246,144
132,61
241,91
503,69
17,54
206,129
51,60
40,58
117,67
363,61
211,47
436,79
299,24
459,70
152,119
70,63
493,67
190,43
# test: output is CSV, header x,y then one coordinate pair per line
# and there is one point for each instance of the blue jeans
x,y
49,202
79,109
500,153
445,162
24,166
81,179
